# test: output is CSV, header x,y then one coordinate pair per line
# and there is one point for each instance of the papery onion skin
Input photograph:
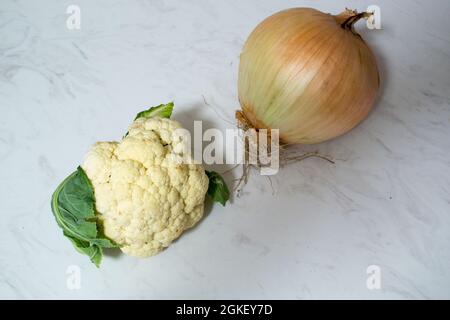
x,y
301,72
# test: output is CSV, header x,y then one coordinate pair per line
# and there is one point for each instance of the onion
x,y
308,74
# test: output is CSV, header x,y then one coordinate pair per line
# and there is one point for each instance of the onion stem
x,y
350,21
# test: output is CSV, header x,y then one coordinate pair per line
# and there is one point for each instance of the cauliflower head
x,y
145,197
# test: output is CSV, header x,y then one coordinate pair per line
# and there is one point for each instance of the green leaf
x,y
217,188
93,251
163,111
73,205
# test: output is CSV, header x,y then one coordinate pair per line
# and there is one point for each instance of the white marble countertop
x,y
312,234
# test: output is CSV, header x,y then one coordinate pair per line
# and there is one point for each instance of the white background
x,y
312,234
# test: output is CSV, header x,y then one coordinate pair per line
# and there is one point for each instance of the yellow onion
x,y
308,74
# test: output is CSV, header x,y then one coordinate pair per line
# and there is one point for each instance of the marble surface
x,y
311,232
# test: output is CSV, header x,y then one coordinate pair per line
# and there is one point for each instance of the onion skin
x,y
301,71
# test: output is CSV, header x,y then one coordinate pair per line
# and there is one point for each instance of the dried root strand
x,y
287,160
285,157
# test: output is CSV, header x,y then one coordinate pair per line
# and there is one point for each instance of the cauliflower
x,y
139,194
145,197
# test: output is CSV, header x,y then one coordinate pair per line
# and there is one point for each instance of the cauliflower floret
x,y
144,196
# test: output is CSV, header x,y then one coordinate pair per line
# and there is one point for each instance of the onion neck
x,y
348,18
